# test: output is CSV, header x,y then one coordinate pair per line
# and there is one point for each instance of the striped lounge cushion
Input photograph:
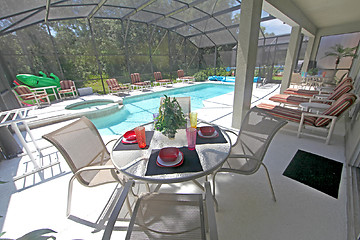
x,y
338,107
284,98
66,84
113,84
302,92
344,81
345,88
289,114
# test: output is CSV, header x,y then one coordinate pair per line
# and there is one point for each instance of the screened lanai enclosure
x,y
92,40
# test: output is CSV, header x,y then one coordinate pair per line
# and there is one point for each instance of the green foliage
x,y
38,234
313,71
200,76
170,117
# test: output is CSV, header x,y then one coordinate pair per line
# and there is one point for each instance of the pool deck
x,y
246,208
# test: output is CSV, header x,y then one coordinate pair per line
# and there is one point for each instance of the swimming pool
x,y
138,110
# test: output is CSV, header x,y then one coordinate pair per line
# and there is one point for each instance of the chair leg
x,y
271,186
215,201
69,196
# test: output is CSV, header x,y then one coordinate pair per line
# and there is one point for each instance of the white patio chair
x,y
247,154
168,216
85,152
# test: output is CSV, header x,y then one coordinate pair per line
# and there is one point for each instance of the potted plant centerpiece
x,y
170,117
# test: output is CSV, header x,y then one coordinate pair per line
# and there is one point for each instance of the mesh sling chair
x,y
168,216
85,152
114,86
67,87
247,154
23,93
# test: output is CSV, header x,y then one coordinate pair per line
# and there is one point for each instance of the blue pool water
x,y
138,110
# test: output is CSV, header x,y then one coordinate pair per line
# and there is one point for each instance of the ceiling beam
x,y
144,5
96,9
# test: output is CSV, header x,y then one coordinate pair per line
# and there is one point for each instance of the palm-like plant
x,y
340,52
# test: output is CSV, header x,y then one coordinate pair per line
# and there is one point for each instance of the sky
x,y
276,26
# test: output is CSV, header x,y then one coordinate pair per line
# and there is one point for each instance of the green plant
x,y
170,117
340,52
313,71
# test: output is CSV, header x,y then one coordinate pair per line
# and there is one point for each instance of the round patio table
x,y
134,162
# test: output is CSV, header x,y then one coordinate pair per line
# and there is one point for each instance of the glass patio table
x,y
140,164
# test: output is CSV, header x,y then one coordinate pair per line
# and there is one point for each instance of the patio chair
x,y
114,86
323,98
168,216
322,90
326,120
85,152
183,78
137,83
160,80
247,154
23,93
67,87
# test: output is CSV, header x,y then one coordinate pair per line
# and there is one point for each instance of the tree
x,y
340,52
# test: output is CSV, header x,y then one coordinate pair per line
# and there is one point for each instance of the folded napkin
x,y
218,139
191,163
134,146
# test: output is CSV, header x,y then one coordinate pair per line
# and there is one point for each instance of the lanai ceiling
x,y
205,22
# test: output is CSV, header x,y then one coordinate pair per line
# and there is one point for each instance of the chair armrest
x,y
318,115
209,200
115,213
321,100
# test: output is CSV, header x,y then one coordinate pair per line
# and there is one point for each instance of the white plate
x,y
170,164
215,134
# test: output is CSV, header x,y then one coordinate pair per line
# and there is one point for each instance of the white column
x,y
291,56
246,58
308,51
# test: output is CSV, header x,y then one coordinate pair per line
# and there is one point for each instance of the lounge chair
x,y
86,154
114,86
326,120
286,99
23,93
67,87
168,216
160,80
137,83
247,154
322,90
183,78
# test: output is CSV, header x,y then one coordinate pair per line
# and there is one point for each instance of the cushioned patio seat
x,y
326,120
114,86
310,93
67,87
159,79
296,100
183,78
136,81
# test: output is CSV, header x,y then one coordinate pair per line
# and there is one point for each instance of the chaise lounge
x,y
286,99
326,120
